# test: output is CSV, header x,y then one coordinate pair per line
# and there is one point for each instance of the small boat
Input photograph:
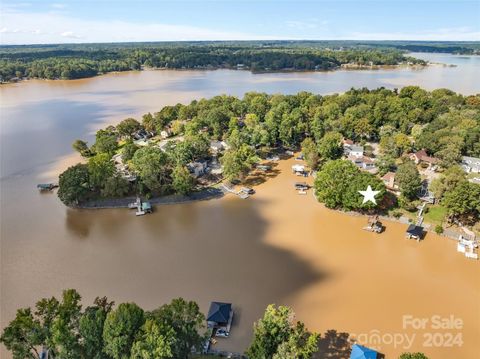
x,y
243,195
301,186
46,186
264,168
247,190
374,225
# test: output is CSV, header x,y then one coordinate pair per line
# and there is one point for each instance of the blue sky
x,y
148,20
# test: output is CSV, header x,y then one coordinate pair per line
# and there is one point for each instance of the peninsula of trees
x,y
74,61
416,136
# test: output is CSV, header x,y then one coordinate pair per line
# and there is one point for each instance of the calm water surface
x,y
272,249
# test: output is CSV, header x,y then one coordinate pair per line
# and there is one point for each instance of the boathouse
x,y
220,316
415,232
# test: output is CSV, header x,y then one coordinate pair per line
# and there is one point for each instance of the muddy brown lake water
x,y
276,247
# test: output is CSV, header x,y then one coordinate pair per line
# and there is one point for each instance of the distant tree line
x,y
79,61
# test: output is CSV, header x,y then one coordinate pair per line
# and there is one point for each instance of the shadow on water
x,y
205,251
334,345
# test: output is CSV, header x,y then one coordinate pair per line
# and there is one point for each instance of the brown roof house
x,y
389,180
422,156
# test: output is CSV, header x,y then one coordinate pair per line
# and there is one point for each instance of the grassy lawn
x,y
435,214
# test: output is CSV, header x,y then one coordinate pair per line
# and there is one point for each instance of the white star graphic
x,y
369,195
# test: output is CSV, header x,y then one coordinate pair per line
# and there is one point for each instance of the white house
x,y
471,164
165,133
352,150
197,169
218,146
363,162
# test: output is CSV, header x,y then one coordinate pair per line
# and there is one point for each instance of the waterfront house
x,y
414,232
363,162
389,181
422,157
471,164
218,146
165,133
198,168
361,352
353,150
220,316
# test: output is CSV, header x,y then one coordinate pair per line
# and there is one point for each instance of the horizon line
x,y
237,40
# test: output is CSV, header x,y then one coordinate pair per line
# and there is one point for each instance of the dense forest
x,y
87,60
443,123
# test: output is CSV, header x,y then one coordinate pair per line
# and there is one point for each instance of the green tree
x,y
128,151
24,335
300,345
91,328
177,127
65,326
450,179
330,146
74,184
153,342
151,163
463,202
412,356
408,179
128,127
450,155
148,122
100,169
310,152
385,163
81,147
277,336
106,142
186,321
238,162
120,329
182,181
115,186
338,182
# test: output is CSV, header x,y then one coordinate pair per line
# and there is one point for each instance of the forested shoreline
x,y
88,60
160,154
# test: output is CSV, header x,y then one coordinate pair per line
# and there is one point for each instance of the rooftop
x,y
219,312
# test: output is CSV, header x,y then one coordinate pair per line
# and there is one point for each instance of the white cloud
x,y
70,34
57,27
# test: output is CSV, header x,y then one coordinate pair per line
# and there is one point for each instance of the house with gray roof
x,y
471,164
